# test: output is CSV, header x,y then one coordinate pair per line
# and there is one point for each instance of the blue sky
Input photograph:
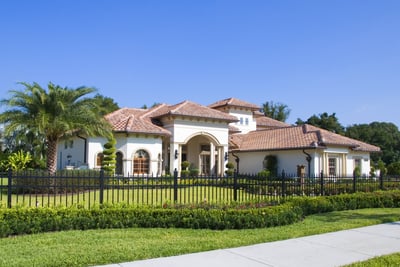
x,y
334,56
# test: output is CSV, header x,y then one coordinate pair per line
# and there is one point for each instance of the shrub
x,y
230,169
185,165
264,173
24,220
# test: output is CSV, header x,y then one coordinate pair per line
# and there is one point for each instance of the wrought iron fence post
x,y
354,182
283,184
9,188
175,185
235,187
101,186
381,180
322,183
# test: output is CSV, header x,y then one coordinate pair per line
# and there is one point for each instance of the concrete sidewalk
x,y
331,249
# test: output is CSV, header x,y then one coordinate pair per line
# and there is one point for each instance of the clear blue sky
x,y
335,56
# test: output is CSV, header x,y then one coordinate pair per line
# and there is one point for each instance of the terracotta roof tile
x,y
234,129
235,103
191,109
266,122
330,138
134,120
294,137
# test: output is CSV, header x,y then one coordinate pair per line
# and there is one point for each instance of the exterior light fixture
x,y
176,153
226,156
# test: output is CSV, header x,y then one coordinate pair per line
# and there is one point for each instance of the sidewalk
x,y
331,249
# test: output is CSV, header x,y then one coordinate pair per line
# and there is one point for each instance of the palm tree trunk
x,y
52,156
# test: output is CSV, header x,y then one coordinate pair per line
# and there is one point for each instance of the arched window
x,y
99,160
141,162
118,164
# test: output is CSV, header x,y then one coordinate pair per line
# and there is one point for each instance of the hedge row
x,y
34,220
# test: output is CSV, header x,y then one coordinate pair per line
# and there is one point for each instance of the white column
x,y
212,158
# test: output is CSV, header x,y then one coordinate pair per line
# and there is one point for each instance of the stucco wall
x,y
252,162
70,152
245,115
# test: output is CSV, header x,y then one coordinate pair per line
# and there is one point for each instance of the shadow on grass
x,y
359,215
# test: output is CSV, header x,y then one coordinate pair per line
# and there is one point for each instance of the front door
x,y
205,164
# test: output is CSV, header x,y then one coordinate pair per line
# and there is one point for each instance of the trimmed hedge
x,y
24,220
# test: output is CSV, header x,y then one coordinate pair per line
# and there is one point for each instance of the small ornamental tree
x,y
109,159
18,161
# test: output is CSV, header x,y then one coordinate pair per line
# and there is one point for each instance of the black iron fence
x,y
88,188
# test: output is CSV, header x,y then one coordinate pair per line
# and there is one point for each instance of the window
x,y
241,120
205,147
141,162
68,143
357,163
247,121
99,160
332,166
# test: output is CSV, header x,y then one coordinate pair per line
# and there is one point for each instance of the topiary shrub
x,y
230,169
109,159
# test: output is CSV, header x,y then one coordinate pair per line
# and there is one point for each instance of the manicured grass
x,y
95,247
141,196
388,260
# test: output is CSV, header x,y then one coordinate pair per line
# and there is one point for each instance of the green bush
x,y
24,220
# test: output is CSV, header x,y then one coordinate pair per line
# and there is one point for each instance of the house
x,y
156,141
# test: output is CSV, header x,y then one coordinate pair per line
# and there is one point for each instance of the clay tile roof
x,y
257,113
274,139
266,122
234,102
330,138
134,120
294,137
233,129
191,109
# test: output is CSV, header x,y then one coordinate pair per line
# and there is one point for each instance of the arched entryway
x,y
204,153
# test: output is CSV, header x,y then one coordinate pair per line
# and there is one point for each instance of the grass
x,y
142,196
387,260
96,247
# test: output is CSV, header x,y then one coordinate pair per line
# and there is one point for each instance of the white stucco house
x,y
156,141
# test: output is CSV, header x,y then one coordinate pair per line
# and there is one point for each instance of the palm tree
x,y
54,113
277,111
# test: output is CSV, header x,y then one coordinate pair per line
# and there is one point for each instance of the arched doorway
x,y
204,153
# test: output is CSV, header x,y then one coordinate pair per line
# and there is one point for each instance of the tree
x,y
154,104
324,121
109,159
54,113
382,134
106,104
277,111
18,161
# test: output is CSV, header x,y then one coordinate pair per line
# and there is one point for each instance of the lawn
x,y
388,260
95,247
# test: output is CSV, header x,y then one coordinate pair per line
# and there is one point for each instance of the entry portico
x,y
199,135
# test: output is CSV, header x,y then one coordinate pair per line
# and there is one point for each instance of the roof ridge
x,y
152,110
